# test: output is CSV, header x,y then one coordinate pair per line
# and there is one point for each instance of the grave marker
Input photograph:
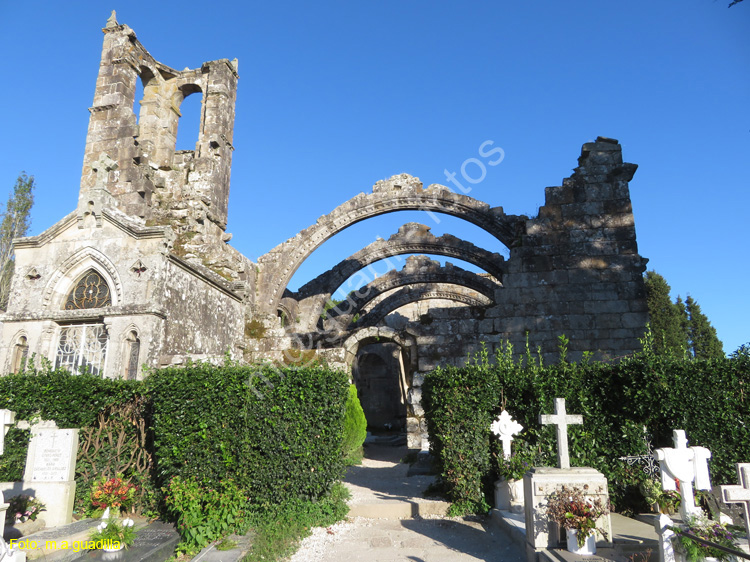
x,y
741,493
562,420
686,464
505,428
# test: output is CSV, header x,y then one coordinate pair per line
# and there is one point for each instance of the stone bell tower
x,y
130,161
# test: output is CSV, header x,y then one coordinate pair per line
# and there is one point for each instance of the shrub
x,y
277,432
355,428
619,401
205,514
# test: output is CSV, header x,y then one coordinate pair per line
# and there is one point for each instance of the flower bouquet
x,y
713,531
23,508
112,535
573,511
113,493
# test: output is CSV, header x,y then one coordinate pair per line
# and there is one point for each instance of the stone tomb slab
x,y
541,482
154,543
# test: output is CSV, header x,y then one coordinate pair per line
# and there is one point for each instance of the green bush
x,y
706,398
355,428
72,401
205,514
277,433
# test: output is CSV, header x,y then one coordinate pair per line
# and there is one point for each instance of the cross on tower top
x,y
561,420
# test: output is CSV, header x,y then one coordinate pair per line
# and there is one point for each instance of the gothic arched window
x,y
91,291
132,350
20,354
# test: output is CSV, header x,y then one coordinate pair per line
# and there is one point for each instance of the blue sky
x,y
334,96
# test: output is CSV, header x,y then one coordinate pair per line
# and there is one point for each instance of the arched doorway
x,y
378,373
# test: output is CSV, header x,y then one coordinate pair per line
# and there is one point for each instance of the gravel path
x,y
381,478
410,540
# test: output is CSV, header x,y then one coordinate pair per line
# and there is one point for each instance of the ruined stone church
x,y
141,274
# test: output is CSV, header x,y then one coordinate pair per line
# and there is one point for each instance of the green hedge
x,y
708,399
71,402
276,432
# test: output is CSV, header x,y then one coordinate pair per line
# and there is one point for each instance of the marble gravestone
x,y
540,482
50,472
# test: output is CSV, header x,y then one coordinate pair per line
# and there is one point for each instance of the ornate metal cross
x,y
562,421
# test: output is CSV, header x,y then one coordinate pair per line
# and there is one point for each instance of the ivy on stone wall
x,y
707,398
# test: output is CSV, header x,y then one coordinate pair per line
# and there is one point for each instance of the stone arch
x,y
407,343
411,238
428,291
62,280
418,271
400,193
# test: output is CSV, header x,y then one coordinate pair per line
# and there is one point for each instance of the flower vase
x,y
113,549
589,545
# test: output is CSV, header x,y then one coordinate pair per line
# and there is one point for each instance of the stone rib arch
x,y
359,338
62,280
411,238
418,270
399,193
427,291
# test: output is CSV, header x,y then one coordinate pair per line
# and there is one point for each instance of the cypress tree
x,y
704,342
666,318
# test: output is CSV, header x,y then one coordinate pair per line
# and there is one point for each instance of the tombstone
x,y
50,471
688,465
741,493
508,493
540,482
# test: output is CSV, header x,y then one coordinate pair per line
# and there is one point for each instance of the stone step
x,y
399,509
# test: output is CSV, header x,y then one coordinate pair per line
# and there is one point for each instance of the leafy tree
x,y
15,222
704,343
668,320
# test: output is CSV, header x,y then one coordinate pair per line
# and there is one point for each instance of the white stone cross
x,y
741,493
505,428
687,465
561,420
7,419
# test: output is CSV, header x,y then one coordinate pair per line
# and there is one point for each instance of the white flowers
x,y
101,526
128,522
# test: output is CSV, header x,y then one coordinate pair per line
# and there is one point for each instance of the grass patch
x,y
279,528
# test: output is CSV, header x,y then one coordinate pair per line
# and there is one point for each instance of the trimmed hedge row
x,y
276,432
707,398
